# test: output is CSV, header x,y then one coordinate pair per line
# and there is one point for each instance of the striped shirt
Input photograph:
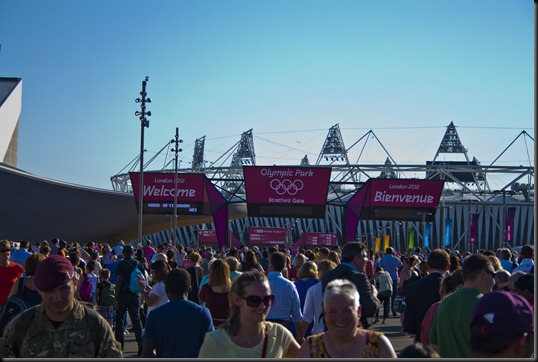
x,y
287,302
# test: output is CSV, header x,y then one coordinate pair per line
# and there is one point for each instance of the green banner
x,y
411,244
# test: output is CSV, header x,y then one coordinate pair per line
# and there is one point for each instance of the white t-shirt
x,y
313,308
93,280
158,290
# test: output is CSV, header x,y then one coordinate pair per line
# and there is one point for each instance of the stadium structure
x,y
467,193
79,213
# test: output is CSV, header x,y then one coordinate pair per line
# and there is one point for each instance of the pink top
x,y
148,252
427,323
369,268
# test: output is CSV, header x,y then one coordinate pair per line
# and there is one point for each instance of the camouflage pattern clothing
x,y
72,339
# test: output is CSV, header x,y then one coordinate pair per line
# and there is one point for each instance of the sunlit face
x,y
60,299
340,315
254,314
360,261
488,279
5,253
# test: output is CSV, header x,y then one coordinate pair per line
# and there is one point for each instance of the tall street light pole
x,y
144,122
176,150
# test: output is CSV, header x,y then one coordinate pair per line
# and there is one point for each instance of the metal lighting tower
x,y
143,124
176,150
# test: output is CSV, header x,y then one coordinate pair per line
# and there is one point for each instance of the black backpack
x,y
15,305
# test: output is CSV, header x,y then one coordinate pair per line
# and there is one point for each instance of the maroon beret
x,y
52,272
502,313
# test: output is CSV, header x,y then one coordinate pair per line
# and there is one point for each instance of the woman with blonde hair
x,y
296,264
308,276
312,310
216,291
343,337
246,333
333,256
495,262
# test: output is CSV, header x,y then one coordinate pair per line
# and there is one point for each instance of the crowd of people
x,y
68,300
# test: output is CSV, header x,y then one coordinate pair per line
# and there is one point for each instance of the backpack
x,y
133,279
92,319
106,294
15,305
85,290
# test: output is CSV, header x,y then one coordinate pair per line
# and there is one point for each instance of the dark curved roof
x,y
35,209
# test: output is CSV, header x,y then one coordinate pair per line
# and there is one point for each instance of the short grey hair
x,y
342,287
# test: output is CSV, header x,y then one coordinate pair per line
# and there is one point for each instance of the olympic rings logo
x,y
286,186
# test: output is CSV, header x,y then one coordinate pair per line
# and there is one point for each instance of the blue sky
x,y
287,69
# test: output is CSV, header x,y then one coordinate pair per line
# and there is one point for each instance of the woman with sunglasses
x,y
246,333
343,338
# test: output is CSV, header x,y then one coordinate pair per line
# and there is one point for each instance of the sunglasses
x,y
343,286
5,250
254,301
490,272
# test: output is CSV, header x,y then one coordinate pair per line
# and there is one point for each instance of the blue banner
x,y
448,232
427,232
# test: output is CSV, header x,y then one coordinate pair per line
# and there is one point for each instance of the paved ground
x,y
391,330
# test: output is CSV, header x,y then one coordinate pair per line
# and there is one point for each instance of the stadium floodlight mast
x,y
176,150
143,124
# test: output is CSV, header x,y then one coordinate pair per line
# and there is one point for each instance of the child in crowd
x,y
106,296
91,268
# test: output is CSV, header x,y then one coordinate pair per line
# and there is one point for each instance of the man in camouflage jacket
x,y
60,327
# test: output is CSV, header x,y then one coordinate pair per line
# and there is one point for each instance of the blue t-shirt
x,y
178,329
112,267
390,263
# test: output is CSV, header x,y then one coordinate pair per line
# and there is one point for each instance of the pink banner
x,y
260,235
317,239
207,236
511,213
473,230
210,237
286,185
405,193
